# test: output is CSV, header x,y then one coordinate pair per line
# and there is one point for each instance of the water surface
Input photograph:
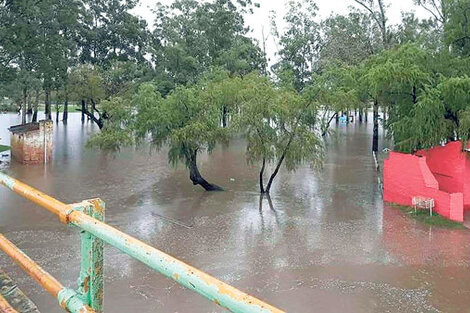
x,y
328,244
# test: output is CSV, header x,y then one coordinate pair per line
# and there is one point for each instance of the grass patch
x,y
4,148
424,217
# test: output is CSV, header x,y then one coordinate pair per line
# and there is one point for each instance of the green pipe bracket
x,y
91,280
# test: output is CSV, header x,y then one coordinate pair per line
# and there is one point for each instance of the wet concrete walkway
x,y
327,245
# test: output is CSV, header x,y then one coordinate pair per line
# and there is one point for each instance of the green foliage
x,y
110,32
299,42
184,121
277,125
8,107
190,37
425,33
397,71
441,114
123,78
87,83
117,130
334,90
457,26
348,39
41,41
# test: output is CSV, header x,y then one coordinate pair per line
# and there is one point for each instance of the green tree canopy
x,y
278,127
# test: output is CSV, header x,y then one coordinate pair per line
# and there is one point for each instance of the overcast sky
x,y
260,18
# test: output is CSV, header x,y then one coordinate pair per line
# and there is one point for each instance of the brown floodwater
x,y
327,244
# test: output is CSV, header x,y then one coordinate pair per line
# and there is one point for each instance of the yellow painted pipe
x,y
186,275
5,307
49,283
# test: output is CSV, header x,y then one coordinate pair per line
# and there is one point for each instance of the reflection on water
x,y
323,241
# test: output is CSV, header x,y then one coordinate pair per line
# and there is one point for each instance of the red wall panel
x,y
406,176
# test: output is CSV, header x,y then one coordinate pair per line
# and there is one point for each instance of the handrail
x,y
5,307
87,215
44,278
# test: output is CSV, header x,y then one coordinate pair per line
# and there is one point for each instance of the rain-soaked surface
x,y
327,245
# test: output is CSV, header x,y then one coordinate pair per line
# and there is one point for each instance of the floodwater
x,y
328,244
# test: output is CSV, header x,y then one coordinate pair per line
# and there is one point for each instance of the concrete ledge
x,y
15,297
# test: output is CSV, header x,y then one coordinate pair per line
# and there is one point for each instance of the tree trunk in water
x,y
375,138
327,126
47,104
36,106
83,110
224,116
90,109
57,111
261,184
360,115
366,114
30,107
273,175
65,115
196,177
23,107
278,166
99,121
87,106
337,117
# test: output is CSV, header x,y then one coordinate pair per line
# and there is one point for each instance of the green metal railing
x,y
88,216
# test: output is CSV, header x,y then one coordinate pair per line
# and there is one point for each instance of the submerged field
x,y
327,244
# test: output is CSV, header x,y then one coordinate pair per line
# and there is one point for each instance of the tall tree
x,y
191,36
109,31
87,84
20,46
278,127
397,78
299,42
437,8
377,9
378,12
348,39
457,26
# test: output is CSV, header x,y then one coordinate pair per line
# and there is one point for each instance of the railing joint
x,y
72,301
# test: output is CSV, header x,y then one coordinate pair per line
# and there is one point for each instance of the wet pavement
x,y
327,244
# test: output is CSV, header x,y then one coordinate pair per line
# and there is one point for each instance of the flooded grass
x,y
4,148
424,217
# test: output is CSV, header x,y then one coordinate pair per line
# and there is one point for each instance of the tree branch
x,y
370,11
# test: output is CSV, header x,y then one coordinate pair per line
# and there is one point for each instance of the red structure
x,y
441,173
451,168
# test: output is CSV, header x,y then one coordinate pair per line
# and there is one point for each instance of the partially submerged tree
x,y
278,126
87,86
441,114
185,121
397,78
